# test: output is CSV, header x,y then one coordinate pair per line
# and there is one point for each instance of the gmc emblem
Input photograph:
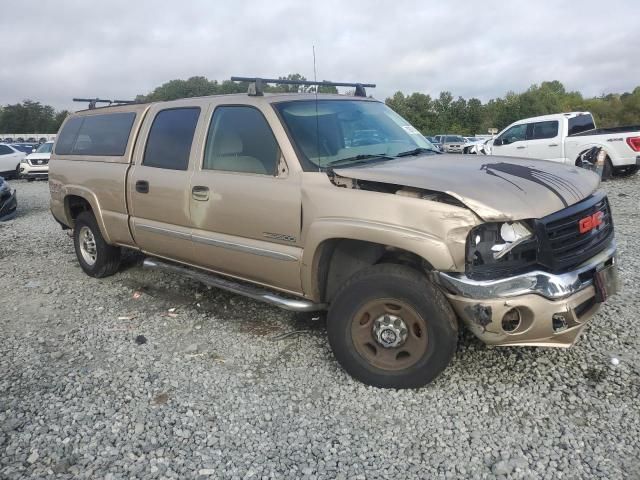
x,y
587,224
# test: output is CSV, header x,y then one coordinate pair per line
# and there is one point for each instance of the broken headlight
x,y
498,249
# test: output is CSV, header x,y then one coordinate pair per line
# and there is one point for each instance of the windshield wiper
x,y
416,151
358,158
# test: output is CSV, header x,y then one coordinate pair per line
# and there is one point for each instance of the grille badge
x,y
590,222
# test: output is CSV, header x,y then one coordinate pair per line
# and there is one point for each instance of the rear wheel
x,y
96,257
390,327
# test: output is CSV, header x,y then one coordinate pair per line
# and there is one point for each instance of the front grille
x,y
39,162
562,246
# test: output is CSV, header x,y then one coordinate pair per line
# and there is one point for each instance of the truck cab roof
x,y
240,98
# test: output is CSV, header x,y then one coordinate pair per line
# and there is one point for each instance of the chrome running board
x,y
256,293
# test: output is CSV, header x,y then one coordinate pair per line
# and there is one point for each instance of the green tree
x,y
28,117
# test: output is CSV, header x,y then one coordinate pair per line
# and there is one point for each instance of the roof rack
x,y
94,101
256,86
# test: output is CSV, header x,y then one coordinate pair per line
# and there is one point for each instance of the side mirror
x,y
33,150
497,142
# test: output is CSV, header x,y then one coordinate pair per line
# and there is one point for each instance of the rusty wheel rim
x,y
385,311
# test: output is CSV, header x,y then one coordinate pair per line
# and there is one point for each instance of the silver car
x,y
452,144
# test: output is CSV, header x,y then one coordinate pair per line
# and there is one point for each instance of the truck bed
x,y
605,131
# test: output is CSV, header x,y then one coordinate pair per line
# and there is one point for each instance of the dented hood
x,y
495,188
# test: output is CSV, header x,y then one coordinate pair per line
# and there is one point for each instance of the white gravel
x,y
97,384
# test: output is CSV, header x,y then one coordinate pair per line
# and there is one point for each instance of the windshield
x,y
45,148
454,139
330,132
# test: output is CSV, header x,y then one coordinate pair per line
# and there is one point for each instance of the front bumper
x,y
34,171
552,309
35,175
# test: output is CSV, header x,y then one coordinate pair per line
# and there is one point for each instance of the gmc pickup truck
x,y
276,197
564,137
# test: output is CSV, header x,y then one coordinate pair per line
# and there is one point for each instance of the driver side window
x,y
240,140
514,134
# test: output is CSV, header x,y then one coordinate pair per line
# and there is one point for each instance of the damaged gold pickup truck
x,y
336,203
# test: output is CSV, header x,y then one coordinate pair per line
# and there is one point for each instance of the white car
x,y
473,145
10,159
36,164
564,137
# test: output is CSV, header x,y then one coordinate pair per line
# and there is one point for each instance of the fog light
x,y
511,320
559,322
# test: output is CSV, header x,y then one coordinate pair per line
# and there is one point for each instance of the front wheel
x,y
390,327
96,257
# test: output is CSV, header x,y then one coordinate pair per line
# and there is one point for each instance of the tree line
x,y
432,116
201,86
30,117
444,113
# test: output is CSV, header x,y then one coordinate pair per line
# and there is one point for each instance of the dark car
x,y
8,202
8,140
19,140
25,147
42,140
32,140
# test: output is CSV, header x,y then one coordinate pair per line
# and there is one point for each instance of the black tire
x,y
107,257
626,171
607,170
410,287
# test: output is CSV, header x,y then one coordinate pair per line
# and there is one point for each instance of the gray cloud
x,y
484,49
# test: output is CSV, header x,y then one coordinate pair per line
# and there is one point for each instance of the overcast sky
x,y
55,50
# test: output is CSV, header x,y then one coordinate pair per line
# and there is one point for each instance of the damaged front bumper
x,y
535,308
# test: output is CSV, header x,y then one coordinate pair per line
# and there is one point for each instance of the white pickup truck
x,y
563,137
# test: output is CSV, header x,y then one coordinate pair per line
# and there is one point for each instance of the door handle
x,y
200,193
520,147
142,186
553,144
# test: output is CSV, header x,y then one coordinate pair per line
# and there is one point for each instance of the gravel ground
x,y
96,383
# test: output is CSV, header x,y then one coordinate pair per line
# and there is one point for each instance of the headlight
x,y
513,235
500,247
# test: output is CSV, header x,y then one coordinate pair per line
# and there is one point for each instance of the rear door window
x,y
544,130
170,138
96,135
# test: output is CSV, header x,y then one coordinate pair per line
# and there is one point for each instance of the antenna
x,y
315,79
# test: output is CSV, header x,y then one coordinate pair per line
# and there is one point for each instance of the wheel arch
x,y
329,261
589,147
79,199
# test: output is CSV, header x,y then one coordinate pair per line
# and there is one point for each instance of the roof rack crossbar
x,y
93,101
256,88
